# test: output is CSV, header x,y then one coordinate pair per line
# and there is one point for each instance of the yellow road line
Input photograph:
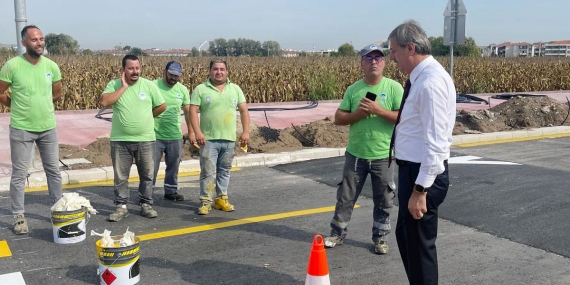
x,y
240,222
553,136
110,182
5,249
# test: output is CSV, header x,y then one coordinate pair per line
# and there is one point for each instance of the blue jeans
x,y
122,154
172,150
216,156
354,175
21,145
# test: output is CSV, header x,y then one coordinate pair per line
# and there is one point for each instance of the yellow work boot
x,y
221,203
204,208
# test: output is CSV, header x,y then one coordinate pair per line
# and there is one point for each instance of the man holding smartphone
x,y
370,106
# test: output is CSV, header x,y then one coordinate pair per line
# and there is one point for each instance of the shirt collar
x,y
209,83
419,68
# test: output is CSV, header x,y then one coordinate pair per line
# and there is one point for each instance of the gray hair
x,y
411,32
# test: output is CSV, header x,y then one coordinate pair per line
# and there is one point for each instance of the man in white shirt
x,y
422,141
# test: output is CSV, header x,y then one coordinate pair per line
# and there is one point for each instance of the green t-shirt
x,y
132,114
217,109
167,124
369,138
32,99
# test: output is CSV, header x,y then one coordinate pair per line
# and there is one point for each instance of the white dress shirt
x,y
427,120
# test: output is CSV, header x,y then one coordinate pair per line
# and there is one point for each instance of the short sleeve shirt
x,y
132,114
369,138
32,106
167,124
218,109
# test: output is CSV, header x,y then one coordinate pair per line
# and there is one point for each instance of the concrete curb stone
x,y
100,174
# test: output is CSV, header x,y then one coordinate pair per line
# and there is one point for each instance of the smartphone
x,y
371,96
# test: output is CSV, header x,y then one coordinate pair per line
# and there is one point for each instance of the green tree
x,y
117,48
219,47
437,47
346,50
126,48
87,52
303,54
469,48
61,44
271,48
251,48
137,51
194,53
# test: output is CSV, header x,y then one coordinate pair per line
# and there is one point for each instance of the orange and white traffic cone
x,y
318,269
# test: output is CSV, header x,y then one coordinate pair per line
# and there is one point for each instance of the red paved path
x,y
80,128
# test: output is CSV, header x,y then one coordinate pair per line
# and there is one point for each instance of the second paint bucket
x,y
119,265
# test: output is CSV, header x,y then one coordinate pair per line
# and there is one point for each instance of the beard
x,y
33,53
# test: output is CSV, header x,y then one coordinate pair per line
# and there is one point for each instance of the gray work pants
x,y
21,145
354,175
122,154
172,150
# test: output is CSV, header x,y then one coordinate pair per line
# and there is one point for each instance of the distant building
x,y
557,48
524,49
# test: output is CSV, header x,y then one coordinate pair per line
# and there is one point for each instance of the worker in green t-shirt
x,y
370,106
135,102
215,130
168,130
35,82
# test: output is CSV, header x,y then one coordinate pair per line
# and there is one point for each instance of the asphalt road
x,y
500,224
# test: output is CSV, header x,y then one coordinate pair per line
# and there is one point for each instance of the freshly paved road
x,y
500,224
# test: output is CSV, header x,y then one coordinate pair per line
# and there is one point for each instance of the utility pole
x,y
454,27
454,4
21,22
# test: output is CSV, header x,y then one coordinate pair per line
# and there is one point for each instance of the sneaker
x,y
381,247
147,211
205,208
21,225
221,203
119,214
333,241
174,197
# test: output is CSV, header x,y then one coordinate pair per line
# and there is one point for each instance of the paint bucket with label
x,y
69,226
118,265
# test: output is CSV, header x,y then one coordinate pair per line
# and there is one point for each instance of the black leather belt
x,y
400,162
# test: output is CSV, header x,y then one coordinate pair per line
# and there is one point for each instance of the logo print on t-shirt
x,y
48,77
142,96
235,102
208,100
179,96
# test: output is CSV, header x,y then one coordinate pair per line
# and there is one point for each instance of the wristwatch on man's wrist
x,y
421,189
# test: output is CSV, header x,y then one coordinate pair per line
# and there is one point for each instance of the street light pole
x,y
454,8
21,21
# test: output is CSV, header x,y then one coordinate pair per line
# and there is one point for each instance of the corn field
x,y
299,79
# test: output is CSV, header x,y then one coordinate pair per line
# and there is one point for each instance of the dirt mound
x,y
267,140
515,113
322,133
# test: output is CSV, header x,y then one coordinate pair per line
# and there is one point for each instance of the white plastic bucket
x,y
69,226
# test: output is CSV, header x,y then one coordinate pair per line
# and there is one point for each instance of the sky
x,y
294,24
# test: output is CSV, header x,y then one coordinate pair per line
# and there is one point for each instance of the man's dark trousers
x,y
416,238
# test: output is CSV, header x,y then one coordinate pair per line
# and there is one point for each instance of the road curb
x,y
37,179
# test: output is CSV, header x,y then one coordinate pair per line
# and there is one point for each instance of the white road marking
x,y
470,159
15,278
